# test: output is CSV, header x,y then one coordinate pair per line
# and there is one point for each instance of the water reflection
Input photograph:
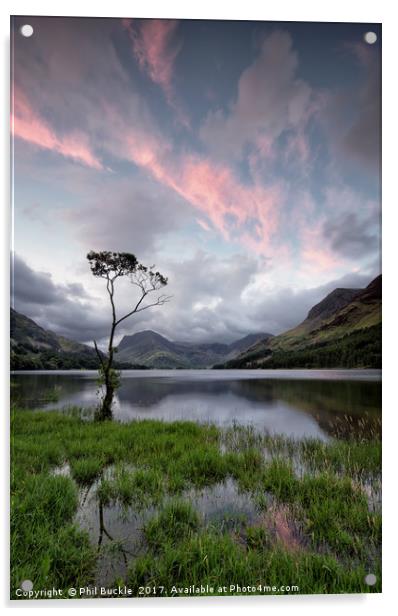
x,y
117,531
295,403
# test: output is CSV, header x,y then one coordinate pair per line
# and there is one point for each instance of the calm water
x,y
298,403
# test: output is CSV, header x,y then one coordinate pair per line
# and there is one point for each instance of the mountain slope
x,y
343,330
33,347
155,351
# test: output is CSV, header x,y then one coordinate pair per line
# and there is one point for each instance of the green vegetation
x,y
46,546
218,560
176,521
316,521
357,349
141,488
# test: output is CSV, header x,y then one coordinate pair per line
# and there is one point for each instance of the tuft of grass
x,y
245,466
142,488
279,479
176,521
203,467
86,470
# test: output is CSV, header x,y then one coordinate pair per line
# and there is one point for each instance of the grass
x,y
46,546
141,487
176,521
214,560
152,464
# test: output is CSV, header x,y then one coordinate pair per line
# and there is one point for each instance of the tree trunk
x,y
106,406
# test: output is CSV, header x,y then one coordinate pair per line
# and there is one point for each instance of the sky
x,y
241,158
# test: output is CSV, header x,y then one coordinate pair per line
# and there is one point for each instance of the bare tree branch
x,y
159,302
99,355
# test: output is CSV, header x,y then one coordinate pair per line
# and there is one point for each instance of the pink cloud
x,y
247,213
26,124
316,255
155,49
203,224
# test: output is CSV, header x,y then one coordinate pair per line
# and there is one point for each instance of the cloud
x,y
316,254
244,212
352,114
66,309
206,300
133,216
271,99
225,299
58,77
27,124
352,237
155,48
32,287
363,139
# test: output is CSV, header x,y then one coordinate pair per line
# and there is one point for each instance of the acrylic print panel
x,y
196,308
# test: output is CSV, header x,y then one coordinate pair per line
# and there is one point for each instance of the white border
x,y
287,10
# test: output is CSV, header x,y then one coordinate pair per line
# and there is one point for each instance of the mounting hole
x,y
26,30
370,38
370,579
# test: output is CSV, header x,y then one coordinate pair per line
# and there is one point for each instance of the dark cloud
x,y
28,286
363,139
65,309
352,237
353,113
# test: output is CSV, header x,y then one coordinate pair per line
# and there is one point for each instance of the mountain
x,y
342,330
155,351
35,348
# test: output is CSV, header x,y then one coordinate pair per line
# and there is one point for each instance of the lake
x,y
297,403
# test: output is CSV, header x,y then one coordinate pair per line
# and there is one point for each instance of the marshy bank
x,y
160,505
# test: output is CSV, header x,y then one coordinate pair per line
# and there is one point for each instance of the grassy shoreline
x,y
317,525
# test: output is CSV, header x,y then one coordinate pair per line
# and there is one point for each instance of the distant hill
x,y
35,348
343,330
155,351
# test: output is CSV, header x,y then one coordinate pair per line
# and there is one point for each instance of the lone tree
x,y
111,266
